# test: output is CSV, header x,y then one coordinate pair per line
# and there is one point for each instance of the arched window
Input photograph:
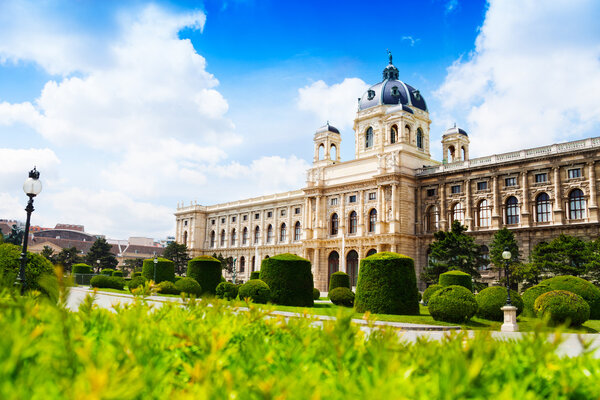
x,y
432,219
212,239
242,264
223,238
233,237
256,235
270,234
283,233
485,254
576,204
372,220
393,134
464,153
253,267
371,252
420,138
353,222
297,231
245,236
407,133
333,152
458,213
369,138
451,154
185,237
352,266
484,217
512,210
334,224
333,264
321,151
542,208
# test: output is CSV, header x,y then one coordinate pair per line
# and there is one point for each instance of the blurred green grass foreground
x,y
207,350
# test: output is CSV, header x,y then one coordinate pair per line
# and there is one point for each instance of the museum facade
x,y
393,196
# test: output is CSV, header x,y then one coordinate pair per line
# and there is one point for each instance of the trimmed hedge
x,y
189,286
256,290
456,278
492,299
339,279
227,290
117,273
342,296
583,288
165,270
107,282
561,306
167,287
136,282
387,284
107,271
316,294
429,292
255,275
530,295
453,304
206,271
290,279
136,274
82,268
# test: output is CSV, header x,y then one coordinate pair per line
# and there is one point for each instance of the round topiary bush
x,y
165,270
10,264
339,279
255,290
167,287
561,306
387,284
189,286
136,282
290,279
227,290
107,282
255,275
490,301
342,296
456,278
530,295
117,273
316,294
206,271
107,271
429,292
583,288
453,304
81,268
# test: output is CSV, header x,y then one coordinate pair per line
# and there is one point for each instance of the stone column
x,y
317,227
525,212
380,211
593,206
290,227
496,211
361,212
342,216
469,216
443,211
558,210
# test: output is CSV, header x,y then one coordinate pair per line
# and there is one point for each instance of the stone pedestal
x,y
510,319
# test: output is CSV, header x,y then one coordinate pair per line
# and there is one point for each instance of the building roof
x,y
455,129
328,128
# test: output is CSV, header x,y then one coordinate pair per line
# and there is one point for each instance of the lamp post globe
x,y
506,255
32,187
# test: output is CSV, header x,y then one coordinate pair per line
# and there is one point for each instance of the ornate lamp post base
x,y
510,319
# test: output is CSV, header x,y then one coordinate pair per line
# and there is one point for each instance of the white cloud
x,y
11,207
532,79
15,164
336,103
411,40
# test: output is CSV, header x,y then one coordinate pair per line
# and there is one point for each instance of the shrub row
x,y
108,282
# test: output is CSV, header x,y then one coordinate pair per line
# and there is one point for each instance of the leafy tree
x,y
179,254
100,250
134,264
528,273
48,253
593,265
453,250
67,257
226,262
565,255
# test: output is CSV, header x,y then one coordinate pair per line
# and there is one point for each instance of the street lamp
x,y
98,265
155,263
32,187
234,274
510,311
506,255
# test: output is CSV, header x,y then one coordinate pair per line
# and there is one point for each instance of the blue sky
x,y
129,108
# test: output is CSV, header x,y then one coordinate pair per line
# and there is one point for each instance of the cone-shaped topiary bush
x,y
290,279
530,295
453,304
583,288
387,284
429,292
227,290
188,285
165,270
339,279
206,271
456,278
491,300
561,306
256,290
342,296
81,268
316,294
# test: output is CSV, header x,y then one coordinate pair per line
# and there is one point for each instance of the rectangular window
x,y
455,189
430,192
372,196
222,220
232,219
269,214
212,222
297,210
245,218
482,185
334,201
185,223
539,178
256,216
574,173
512,181
283,213
352,199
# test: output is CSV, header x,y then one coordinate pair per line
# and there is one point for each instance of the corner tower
x,y
455,143
327,145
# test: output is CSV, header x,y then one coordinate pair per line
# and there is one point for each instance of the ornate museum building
x,y
392,196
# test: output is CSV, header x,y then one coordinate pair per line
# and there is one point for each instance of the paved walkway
x,y
572,345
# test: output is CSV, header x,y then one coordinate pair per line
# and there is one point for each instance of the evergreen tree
x,y
226,262
133,264
179,254
67,257
565,255
48,253
504,240
100,250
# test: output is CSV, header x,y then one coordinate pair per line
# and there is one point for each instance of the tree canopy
x,y
67,257
565,255
100,250
179,254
